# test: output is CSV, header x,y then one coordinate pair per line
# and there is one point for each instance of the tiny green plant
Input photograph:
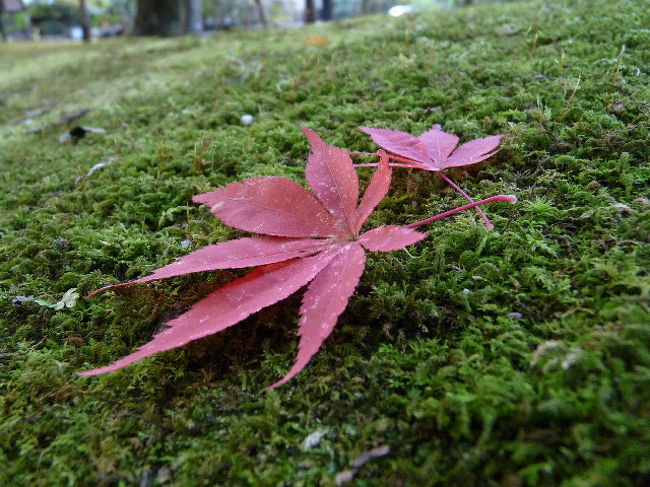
x,y
68,300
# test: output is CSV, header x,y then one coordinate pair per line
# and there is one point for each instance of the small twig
x,y
532,26
568,102
616,75
508,198
533,48
487,221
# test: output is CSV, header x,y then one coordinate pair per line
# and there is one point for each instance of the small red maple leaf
x,y
435,150
310,239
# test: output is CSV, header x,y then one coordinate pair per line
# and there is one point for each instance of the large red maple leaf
x,y
435,150
309,239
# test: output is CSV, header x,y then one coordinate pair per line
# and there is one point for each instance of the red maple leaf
x,y
435,150
310,239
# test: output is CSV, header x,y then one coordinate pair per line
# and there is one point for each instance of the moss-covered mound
x,y
515,357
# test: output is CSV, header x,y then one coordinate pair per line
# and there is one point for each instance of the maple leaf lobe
x,y
331,176
325,299
229,305
271,205
390,237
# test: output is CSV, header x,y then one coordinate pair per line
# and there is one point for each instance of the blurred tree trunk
x,y
85,21
158,18
194,16
310,12
3,34
260,13
327,9
364,6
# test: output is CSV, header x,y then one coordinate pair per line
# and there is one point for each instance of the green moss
x,y
513,357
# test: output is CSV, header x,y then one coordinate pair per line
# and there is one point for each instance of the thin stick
x,y
615,76
487,221
508,198
568,103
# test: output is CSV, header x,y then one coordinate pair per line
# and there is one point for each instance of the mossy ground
x,y
515,357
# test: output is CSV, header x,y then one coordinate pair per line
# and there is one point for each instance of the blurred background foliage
x,y
43,19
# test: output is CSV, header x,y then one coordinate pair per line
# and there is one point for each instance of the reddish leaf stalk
x,y
487,221
508,198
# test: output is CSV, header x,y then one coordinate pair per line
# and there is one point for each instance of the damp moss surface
x,y
513,357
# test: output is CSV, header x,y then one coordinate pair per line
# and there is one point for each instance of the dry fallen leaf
x,y
314,40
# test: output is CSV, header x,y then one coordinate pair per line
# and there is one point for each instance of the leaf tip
x,y
279,383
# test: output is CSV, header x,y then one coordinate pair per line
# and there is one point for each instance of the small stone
x,y
618,108
593,186
510,30
365,457
622,208
185,244
246,119
514,316
570,359
343,477
76,341
35,113
540,77
513,480
313,439
163,474
60,244
19,300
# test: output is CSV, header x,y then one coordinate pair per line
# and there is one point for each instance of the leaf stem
x,y
487,221
508,198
